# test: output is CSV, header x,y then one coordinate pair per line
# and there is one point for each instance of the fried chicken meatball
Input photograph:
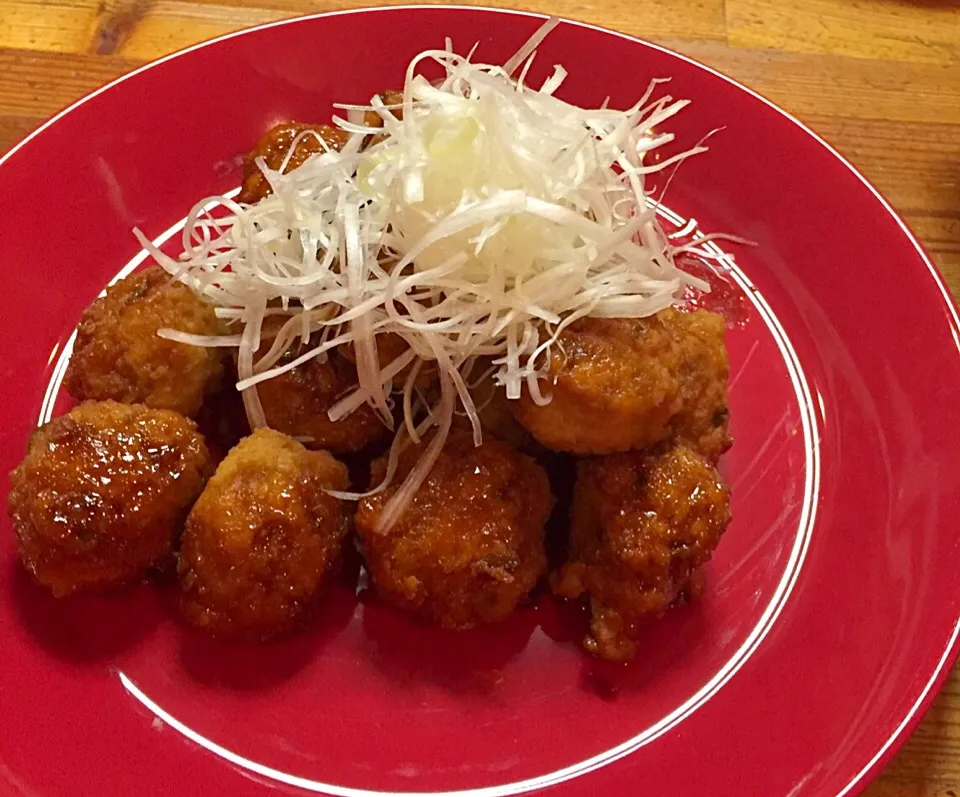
x,y
262,538
389,98
273,147
119,356
391,346
296,403
622,384
102,494
373,119
701,424
640,527
471,543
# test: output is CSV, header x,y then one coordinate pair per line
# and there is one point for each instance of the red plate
x,y
830,615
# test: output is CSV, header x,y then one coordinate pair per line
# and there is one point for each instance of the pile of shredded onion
x,y
476,227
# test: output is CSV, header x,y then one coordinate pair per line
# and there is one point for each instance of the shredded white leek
x,y
487,219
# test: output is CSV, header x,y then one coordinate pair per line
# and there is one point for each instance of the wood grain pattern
x,y
880,79
149,28
925,32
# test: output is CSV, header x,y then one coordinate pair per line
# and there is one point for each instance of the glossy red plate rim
x,y
928,692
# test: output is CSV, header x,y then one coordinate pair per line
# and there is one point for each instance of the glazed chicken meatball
x,y
702,422
391,346
118,355
262,538
470,545
274,146
297,402
390,98
622,384
102,494
641,525
393,100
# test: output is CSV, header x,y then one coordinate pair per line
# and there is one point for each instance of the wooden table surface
x,y
880,79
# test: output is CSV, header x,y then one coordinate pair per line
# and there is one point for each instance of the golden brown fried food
x,y
702,422
390,98
624,384
470,544
102,494
296,403
119,356
273,148
262,538
390,346
641,525
493,409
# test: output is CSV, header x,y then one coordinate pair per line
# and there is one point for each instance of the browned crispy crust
x,y
625,384
470,545
102,494
273,147
262,538
118,355
297,402
641,524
